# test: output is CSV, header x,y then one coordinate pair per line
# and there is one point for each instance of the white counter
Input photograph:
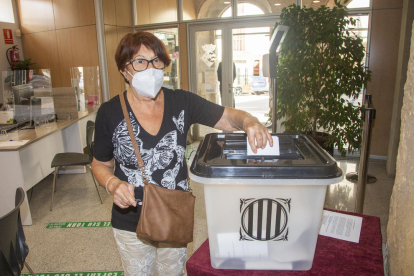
x,y
24,166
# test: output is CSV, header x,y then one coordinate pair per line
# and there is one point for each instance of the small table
x,y
332,256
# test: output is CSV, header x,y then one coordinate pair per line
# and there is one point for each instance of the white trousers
x,y
142,257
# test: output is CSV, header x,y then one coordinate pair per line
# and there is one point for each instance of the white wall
x,y
4,64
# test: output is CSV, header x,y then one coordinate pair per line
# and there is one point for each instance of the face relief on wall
x,y
209,57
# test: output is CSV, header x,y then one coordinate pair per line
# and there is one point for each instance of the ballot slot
x,y
237,149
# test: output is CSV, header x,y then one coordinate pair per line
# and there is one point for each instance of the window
x,y
257,7
358,4
6,11
239,42
162,11
316,4
202,9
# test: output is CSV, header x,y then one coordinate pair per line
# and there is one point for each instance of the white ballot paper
x,y
231,247
341,226
268,150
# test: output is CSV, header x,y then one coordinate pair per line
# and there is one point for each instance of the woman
x,y
160,118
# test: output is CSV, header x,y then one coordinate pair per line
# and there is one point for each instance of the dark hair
x,y
131,43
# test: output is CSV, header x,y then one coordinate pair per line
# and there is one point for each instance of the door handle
x,y
231,88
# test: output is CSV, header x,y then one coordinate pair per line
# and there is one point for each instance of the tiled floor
x,y
93,249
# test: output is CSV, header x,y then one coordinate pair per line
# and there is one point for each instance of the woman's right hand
x,y
123,192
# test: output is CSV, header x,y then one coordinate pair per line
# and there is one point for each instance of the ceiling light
x,y
226,2
316,1
278,4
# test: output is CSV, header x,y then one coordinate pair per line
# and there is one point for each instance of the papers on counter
x,y
13,143
6,117
341,226
267,151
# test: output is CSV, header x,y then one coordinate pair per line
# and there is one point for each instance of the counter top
x,y
34,135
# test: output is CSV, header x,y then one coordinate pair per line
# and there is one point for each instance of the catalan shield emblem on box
x,y
264,219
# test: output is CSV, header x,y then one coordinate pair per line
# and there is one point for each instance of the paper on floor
x,y
268,150
341,226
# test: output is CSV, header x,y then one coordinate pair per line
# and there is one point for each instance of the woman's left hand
x,y
257,135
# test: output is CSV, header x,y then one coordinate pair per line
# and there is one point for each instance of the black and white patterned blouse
x,y
163,154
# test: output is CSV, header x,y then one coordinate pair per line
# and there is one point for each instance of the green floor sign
x,y
89,273
188,152
82,224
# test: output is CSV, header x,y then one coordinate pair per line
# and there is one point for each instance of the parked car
x,y
260,85
237,91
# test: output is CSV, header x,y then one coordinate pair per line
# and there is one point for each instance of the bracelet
x,y
106,184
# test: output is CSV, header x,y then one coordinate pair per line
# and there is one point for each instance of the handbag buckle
x,y
144,176
188,186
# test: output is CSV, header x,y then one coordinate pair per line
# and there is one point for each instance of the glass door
x,y
250,88
226,67
206,56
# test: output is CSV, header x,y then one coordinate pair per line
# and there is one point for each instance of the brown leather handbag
x,y
166,215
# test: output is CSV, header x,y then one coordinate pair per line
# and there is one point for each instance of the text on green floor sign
x,y
90,273
82,224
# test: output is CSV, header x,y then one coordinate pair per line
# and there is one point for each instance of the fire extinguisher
x,y
12,55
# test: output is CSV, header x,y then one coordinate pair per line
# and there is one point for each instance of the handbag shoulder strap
x,y
141,165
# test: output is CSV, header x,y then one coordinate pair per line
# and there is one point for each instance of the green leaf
x,y
320,63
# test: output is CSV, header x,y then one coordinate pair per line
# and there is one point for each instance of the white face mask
x,y
148,82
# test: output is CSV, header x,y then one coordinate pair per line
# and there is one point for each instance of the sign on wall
x,y
256,68
8,36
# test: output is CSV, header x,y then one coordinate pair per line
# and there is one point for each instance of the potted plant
x,y
23,71
320,73
22,64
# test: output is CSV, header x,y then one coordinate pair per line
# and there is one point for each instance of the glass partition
x,y
162,11
27,94
194,9
87,86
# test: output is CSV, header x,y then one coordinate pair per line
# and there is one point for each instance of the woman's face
x,y
143,53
